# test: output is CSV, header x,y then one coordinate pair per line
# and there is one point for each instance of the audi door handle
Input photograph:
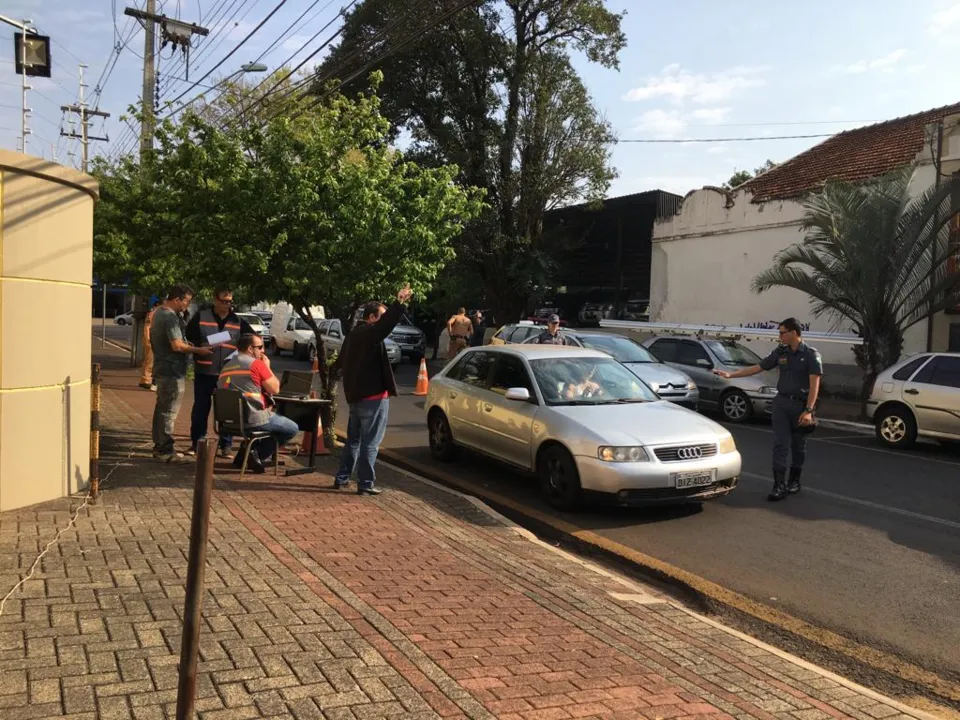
x,y
911,391
488,407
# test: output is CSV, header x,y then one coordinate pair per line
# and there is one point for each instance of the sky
x,y
692,69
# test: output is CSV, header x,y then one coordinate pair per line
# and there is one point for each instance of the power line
x,y
728,139
229,54
390,51
253,90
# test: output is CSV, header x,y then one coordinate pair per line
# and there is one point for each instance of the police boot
x,y
779,486
793,484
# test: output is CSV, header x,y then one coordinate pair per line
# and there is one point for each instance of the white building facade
x,y
704,258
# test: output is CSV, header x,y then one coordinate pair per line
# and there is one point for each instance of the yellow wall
x,y
46,265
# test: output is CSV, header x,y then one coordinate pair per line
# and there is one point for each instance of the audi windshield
x,y
588,381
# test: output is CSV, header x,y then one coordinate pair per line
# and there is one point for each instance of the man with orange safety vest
x,y
209,321
249,372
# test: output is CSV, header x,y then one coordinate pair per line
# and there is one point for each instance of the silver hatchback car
x,y
582,422
737,400
919,396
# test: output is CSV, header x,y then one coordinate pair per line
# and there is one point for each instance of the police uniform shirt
x,y
545,338
795,368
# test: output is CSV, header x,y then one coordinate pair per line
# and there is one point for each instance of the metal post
x,y
199,525
95,433
103,319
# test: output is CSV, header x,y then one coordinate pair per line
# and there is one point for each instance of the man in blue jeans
x,y
368,383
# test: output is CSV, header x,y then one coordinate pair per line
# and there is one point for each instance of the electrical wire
x,y
727,139
390,51
229,54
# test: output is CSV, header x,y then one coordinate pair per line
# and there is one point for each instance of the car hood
x,y
658,374
651,423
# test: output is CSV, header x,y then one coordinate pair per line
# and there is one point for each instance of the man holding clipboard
x,y
218,327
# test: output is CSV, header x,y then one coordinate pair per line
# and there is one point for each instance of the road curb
x,y
708,595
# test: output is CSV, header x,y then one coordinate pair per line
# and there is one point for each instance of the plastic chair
x,y
229,418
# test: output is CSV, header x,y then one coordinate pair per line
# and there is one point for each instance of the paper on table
x,y
218,338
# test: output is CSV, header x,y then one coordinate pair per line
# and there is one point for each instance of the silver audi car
x,y
582,422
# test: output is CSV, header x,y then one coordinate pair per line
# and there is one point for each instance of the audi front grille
x,y
684,453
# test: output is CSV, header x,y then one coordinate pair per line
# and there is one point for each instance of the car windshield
x,y
251,319
731,353
301,324
588,381
622,349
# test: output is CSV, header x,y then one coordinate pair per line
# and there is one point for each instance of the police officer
x,y
798,388
551,336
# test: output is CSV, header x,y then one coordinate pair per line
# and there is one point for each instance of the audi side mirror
x,y
519,394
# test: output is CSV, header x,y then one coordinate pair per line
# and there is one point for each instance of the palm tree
x,y
875,257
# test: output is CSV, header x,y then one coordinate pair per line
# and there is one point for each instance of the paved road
x,y
871,548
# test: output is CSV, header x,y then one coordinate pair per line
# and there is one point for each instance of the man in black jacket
x,y
368,383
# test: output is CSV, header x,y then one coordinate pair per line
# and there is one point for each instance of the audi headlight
x,y
608,453
727,445
767,390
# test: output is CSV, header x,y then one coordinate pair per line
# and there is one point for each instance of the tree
x,y
313,209
492,91
875,258
741,176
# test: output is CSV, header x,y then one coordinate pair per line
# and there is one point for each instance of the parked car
x,y
291,333
410,339
541,315
636,310
516,332
259,327
919,396
592,313
737,400
613,438
266,316
669,383
331,333
124,319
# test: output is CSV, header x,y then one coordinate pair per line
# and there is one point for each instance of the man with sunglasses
x,y
798,388
209,321
249,372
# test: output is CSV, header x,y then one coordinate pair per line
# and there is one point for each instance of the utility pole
x,y
179,34
81,109
175,32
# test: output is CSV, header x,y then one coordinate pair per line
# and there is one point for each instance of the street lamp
x,y
32,58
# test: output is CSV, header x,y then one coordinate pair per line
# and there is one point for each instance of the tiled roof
x,y
852,155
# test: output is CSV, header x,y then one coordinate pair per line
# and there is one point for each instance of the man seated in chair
x,y
249,372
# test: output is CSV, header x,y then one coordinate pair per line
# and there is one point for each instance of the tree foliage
x,y
313,208
741,176
493,91
876,258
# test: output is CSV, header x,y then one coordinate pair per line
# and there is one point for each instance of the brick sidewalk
x,y
417,604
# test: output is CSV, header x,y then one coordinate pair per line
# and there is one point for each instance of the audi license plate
x,y
694,479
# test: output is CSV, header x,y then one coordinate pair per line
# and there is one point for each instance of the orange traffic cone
x,y
317,437
423,382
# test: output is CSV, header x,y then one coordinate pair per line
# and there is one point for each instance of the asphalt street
x,y
871,548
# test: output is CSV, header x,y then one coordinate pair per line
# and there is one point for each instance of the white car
x,y
582,422
124,319
257,325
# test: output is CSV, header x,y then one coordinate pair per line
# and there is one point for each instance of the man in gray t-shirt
x,y
170,352
165,329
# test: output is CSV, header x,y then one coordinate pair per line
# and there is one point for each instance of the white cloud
x,y
680,85
882,63
942,21
671,123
